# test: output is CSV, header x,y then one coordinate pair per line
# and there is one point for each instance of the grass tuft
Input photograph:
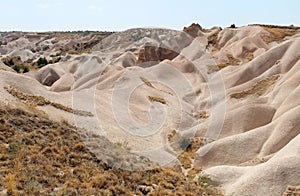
x,y
278,34
258,89
42,101
157,99
55,161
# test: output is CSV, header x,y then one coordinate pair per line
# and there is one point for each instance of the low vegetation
x,y
213,39
249,56
41,62
231,61
35,100
186,147
278,33
82,46
202,114
258,89
42,157
25,66
20,68
16,64
157,99
147,82
292,191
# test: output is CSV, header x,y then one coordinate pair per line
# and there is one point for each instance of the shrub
x,y
233,26
203,114
57,59
185,143
157,99
41,62
204,182
9,62
26,69
20,68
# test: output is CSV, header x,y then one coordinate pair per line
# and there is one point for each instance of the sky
x,y
118,15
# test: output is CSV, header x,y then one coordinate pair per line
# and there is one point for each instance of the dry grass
x,y
193,172
10,183
276,26
147,82
258,89
23,66
278,34
292,191
187,151
42,157
157,99
35,100
202,114
185,159
255,161
84,46
231,61
213,40
249,56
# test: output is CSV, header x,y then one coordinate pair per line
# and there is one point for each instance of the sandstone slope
x,y
234,89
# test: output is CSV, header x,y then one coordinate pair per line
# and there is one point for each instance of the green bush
x,y
185,143
54,60
20,68
57,59
26,69
9,62
41,62
17,68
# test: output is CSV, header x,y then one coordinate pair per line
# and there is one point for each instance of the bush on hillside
x,y
41,62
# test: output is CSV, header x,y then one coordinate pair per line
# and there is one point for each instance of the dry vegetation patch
x,y
36,100
278,33
213,40
186,147
202,114
249,56
259,88
231,61
147,82
157,99
42,157
292,191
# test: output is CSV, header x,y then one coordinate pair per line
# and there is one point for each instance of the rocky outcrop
x,y
193,30
64,83
152,54
241,122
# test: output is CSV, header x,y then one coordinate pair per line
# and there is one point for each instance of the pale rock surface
x,y
252,105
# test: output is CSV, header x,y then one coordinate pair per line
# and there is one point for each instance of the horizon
x,y
104,31
78,15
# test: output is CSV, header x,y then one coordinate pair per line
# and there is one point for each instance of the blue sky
x,y
116,15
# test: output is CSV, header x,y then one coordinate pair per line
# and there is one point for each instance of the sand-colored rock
x,y
230,87
5,67
64,83
193,30
128,59
154,54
